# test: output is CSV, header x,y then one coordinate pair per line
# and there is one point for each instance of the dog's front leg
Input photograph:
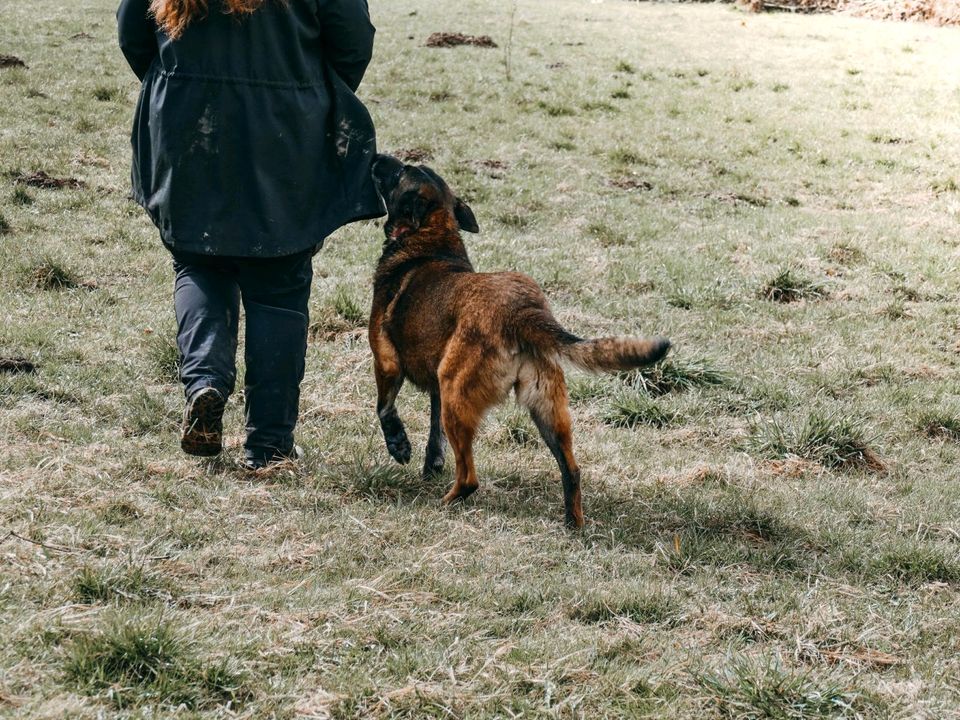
x,y
437,443
388,385
389,375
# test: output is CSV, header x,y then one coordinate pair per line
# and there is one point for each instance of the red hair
x,y
173,16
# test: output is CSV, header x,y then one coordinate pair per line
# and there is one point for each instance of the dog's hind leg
x,y
466,395
389,376
460,425
437,443
543,391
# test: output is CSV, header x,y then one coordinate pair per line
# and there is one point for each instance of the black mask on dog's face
x,y
411,193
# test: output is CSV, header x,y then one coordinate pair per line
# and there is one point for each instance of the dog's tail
x,y
609,354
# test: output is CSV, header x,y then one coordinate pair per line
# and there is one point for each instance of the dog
x,y
469,338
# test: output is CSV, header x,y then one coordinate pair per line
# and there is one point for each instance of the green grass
x,y
629,409
673,375
788,285
939,423
49,274
135,660
771,514
832,439
751,689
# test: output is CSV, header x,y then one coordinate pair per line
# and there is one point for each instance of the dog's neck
x,y
438,235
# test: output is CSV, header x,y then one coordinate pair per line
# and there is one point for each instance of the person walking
x,y
249,149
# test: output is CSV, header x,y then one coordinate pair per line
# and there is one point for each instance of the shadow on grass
x,y
719,527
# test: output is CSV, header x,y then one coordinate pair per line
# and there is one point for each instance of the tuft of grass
x,y
938,423
583,388
146,414
687,297
607,236
945,185
349,309
676,375
754,688
125,583
834,440
625,156
164,359
519,430
789,286
630,409
915,563
846,253
517,219
5,226
620,94
119,512
21,196
625,67
556,110
49,274
641,608
145,660
106,93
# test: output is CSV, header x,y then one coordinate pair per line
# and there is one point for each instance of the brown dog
x,y
467,338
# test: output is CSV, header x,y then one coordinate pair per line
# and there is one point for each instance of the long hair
x,y
173,16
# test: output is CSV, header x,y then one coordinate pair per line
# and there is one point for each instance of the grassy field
x,y
772,517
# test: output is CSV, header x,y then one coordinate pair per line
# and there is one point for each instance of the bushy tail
x,y
538,332
614,353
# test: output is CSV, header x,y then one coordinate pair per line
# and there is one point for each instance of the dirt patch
x,y
413,155
446,39
16,365
11,61
939,12
40,179
492,168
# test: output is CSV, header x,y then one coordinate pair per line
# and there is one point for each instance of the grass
x,y
124,584
745,552
164,356
135,660
640,607
630,409
829,438
788,285
748,688
49,274
939,423
674,375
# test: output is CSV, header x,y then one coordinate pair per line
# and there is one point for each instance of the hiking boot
x,y
202,431
260,458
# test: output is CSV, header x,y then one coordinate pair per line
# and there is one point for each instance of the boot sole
x,y
203,426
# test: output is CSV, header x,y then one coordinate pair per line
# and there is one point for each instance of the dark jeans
x,y
274,292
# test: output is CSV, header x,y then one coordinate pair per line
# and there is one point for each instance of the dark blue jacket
x,y
248,139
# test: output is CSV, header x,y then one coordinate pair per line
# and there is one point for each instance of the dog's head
x,y
415,193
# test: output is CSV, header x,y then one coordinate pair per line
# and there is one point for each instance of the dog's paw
x,y
399,447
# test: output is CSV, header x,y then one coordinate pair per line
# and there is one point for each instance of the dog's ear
x,y
465,217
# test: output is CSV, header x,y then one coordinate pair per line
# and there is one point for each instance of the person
x,y
249,148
